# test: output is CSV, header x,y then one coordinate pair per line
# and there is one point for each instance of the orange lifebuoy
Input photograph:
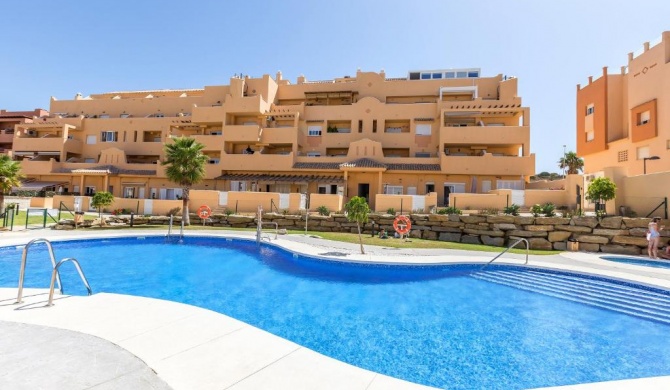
x,y
204,211
402,224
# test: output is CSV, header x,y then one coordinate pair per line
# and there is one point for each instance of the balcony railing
x,y
485,135
211,141
488,164
242,134
257,162
209,114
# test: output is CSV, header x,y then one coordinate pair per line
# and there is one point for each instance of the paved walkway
x,y
194,348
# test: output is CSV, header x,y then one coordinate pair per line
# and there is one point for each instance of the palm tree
x,y
185,166
357,210
10,176
572,162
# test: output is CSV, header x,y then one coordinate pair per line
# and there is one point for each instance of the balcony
x,y
140,148
488,164
212,171
37,167
6,138
211,141
210,114
280,135
257,162
241,134
486,135
50,144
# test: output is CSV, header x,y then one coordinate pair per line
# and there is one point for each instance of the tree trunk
x,y
2,202
184,206
360,238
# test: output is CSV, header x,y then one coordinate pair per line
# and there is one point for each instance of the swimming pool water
x,y
434,325
638,261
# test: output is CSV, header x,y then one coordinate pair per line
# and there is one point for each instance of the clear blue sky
x,y
59,48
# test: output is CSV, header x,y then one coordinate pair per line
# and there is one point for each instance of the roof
x,y
285,178
108,169
368,163
37,185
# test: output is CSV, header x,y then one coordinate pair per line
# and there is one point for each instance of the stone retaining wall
x,y
610,234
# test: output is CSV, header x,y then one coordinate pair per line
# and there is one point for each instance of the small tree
x,y
102,199
571,161
185,166
357,210
10,176
600,191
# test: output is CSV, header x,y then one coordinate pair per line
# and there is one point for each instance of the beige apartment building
x,y
9,119
623,119
433,131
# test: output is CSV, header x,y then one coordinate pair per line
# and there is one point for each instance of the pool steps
x,y
636,302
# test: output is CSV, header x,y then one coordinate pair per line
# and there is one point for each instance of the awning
x,y
284,178
38,185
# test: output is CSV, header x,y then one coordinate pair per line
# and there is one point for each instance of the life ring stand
x,y
204,212
402,224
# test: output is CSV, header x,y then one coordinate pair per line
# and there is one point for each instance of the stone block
x,y
574,228
429,235
638,232
611,222
610,232
492,233
451,237
539,228
630,240
519,220
492,241
500,218
540,243
452,224
294,217
636,222
239,219
438,218
285,222
470,239
560,246
558,236
504,226
526,233
621,249
473,218
415,233
419,217
477,226
328,224
589,247
552,221
584,221
454,217
592,239
446,229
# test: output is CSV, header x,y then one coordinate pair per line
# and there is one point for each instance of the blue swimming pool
x,y
451,327
638,261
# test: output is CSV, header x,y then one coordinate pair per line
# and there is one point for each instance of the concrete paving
x,y
193,348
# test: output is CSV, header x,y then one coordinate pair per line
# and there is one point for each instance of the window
x,y
360,126
450,75
473,74
313,154
216,132
393,190
437,75
91,140
642,152
425,76
590,135
423,129
89,160
374,125
124,115
590,109
314,131
213,160
104,116
422,154
89,190
622,156
643,118
109,136
461,75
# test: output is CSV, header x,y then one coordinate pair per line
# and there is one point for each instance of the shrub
x,y
512,209
121,211
549,210
228,212
323,210
391,211
449,210
174,211
489,211
536,210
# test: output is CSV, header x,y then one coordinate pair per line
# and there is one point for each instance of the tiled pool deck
x,y
110,341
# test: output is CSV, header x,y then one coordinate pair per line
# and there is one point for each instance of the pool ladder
x,y
507,249
259,227
181,230
55,275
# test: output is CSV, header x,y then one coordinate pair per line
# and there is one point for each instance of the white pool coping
x,y
194,348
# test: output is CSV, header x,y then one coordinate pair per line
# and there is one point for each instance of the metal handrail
x,y
169,233
24,259
271,223
54,274
508,248
181,230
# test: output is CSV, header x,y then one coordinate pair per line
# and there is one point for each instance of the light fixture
x,y
645,162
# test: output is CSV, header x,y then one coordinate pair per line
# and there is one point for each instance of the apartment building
x,y
432,131
8,119
623,119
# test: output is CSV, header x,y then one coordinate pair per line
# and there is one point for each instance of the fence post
x,y
400,206
44,220
236,202
507,200
666,207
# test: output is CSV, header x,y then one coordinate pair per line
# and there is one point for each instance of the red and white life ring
x,y
402,224
204,211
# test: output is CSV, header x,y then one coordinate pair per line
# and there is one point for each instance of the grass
x,y
20,219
